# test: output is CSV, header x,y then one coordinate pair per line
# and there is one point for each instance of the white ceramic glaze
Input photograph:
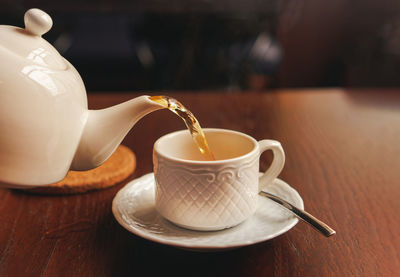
x,y
211,195
134,209
45,124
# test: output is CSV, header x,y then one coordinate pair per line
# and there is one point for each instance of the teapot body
x,y
42,115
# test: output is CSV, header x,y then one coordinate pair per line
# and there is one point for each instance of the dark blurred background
x,y
226,44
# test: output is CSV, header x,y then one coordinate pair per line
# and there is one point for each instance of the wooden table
x,y
343,156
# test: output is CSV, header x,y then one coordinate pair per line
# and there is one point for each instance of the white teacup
x,y
211,195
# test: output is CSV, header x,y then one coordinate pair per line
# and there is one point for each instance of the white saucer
x,y
133,207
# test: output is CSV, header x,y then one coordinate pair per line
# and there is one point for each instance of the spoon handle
x,y
316,223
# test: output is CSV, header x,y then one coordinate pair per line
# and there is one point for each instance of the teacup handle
x,y
277,163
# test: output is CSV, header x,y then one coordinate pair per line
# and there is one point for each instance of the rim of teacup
x,y
254,149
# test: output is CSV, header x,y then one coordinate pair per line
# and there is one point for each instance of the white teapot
x,y
45,125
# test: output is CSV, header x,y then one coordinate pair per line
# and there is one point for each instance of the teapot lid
x,y
28,43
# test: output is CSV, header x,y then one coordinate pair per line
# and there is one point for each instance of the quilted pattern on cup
x,y
206,198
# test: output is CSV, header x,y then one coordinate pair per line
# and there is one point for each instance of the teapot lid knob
x,y
37,22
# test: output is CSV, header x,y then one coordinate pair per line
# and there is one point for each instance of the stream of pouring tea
x,y
191,123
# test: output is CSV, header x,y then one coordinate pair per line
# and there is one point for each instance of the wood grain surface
x,y
343,157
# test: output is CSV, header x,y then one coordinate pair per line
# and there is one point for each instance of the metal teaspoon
x,y
314,222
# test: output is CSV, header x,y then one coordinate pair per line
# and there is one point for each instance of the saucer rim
x,y
197,246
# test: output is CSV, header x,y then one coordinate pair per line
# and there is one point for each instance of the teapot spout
x,y
105,129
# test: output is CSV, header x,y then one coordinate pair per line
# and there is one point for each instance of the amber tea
x,y
191,123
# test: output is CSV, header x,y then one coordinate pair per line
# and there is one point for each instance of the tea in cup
x,y
211,195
